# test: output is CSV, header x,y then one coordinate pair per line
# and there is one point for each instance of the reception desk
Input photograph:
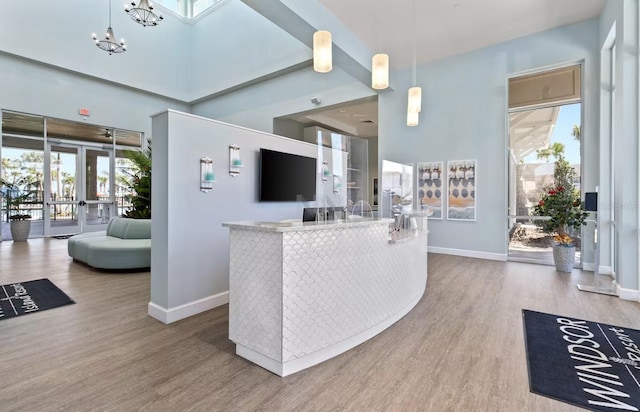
x,y
300,294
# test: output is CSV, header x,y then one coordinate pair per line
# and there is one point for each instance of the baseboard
x,y
589,266
468,253
176,313
605,270
628,294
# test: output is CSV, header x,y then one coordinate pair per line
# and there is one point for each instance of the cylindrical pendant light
x,y
415,99
414,102
380,71
412,118
322,60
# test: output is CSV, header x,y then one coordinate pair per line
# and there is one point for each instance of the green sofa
x,y
126,244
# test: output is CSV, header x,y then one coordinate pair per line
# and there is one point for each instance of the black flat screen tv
x,y
286,177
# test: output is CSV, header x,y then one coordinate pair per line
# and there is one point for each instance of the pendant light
x,y
380,61
322,53
143,13
415,98
412,118
414,101
109,43
322,58
380,71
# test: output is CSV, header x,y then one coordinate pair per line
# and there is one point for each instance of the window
x,y
189,8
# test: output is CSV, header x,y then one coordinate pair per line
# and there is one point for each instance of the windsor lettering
x,y
593,367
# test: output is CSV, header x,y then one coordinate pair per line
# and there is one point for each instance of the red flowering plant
x,y
565,210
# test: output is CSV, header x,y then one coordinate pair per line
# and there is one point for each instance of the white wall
x,y
234,45
256,106
625,128
31,87
59,33
190,248
464,117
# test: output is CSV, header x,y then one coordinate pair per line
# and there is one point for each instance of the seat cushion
x,y
118,227
115,253
138,229
81,247
72,241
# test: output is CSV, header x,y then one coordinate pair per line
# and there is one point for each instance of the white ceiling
x,y
444,28
448,27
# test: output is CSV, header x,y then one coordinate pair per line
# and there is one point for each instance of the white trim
x,y
293,366
468,253
628,294
605,270
602,270
176,313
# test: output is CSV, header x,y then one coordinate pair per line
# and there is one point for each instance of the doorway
x,y
78,173
544,117
79,198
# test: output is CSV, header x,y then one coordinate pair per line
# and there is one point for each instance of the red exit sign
x,y
83,112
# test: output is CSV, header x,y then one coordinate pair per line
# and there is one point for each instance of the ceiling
x,y
443,28
448,27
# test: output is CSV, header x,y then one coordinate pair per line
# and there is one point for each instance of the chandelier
x,y
109,43
143,13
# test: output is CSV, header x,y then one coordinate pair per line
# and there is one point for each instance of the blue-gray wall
x,y
464,117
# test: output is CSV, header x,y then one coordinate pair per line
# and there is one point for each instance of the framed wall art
x,y
461,190
430,188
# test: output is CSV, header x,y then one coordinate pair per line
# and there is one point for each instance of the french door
x,y
80,196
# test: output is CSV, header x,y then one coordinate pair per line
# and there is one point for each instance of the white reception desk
x,y
300,294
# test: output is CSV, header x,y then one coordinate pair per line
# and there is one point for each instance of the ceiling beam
x,y
285,18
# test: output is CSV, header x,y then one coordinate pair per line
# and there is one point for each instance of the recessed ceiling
x,y
359,118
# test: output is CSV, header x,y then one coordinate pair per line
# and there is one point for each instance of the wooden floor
x,y
460,349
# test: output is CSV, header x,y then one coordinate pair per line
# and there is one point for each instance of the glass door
x,y
79,197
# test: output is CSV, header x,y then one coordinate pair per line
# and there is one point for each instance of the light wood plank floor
x,y
460,349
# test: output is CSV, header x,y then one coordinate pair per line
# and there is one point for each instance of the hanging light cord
x,y
379,26
109,13
414,42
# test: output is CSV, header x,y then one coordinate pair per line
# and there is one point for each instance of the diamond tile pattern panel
x,y
255,284
342,281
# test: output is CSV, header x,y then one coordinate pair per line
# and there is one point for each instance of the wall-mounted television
x,y
286,177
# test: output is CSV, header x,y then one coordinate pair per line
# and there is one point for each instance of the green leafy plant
x,y
16,195
561,202
139,182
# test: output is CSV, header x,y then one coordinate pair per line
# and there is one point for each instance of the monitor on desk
x,y
319,214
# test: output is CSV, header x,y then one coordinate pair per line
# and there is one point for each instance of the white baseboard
x,y
468,253
589,266
176,313
605,270
628,294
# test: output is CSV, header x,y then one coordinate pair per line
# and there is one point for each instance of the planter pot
x,y
20,230
564,257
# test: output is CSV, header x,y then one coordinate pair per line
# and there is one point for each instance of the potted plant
x,y
19,222
561,203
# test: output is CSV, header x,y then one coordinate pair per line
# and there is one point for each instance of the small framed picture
x,y
337,184
431,188
461,190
